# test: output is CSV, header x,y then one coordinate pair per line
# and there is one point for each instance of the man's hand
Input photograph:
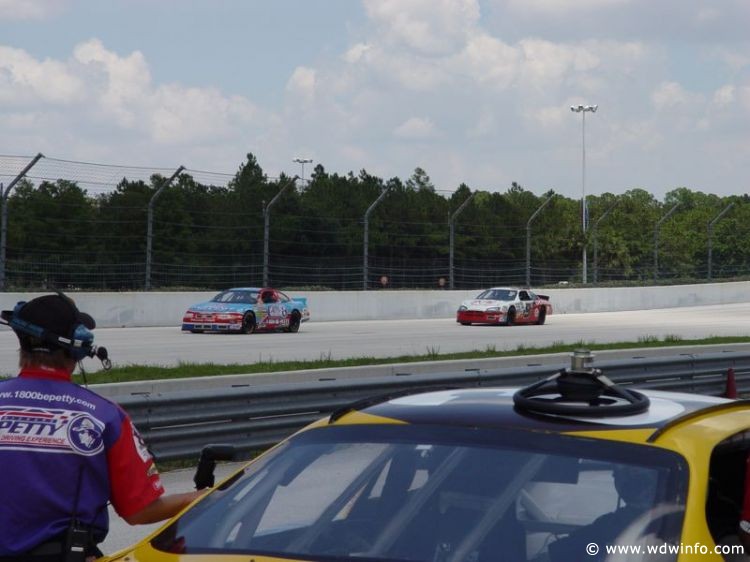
x,y
165,507
743,533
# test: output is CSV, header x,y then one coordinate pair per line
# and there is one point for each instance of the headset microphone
x,y
102,355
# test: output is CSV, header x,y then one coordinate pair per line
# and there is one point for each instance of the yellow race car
x,y
572,468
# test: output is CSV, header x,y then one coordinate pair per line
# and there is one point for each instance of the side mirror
x,y
204,473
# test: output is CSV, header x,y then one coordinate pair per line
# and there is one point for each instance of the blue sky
x,y
474,91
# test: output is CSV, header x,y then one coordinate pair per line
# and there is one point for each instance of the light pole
x,y
582,109
303,161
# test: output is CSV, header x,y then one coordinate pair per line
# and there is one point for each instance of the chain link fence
x,y
79,225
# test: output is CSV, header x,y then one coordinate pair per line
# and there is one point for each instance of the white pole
x,y
582,109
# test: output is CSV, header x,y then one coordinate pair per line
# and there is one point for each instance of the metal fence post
x,y
452,234
528,239
150,224
366,236
656,239
4,193
595,236
711,236
267,228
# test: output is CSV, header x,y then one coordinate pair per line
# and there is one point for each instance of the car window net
x,y
237,297
497,295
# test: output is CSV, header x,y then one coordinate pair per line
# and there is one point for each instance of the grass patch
x,y
144,372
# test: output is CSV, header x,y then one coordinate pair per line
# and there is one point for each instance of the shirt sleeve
x,y
134,480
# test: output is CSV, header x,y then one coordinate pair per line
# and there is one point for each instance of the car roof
x,y
495,408
516,289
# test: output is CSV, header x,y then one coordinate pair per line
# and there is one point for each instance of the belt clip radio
x,y
77,541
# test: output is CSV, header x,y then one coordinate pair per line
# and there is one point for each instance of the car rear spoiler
x,y
543,297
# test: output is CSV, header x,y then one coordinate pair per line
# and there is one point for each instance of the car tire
x,y
542,316
248,323
465,323
294,322
510,317
196,331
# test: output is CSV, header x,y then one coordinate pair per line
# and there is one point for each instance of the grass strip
x,y
183,370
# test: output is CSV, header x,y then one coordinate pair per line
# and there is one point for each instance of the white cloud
x,y
735,59
302,83
180,115
725,95
745,99
415,128
120,84
356,53
562,6
671,94
18,10
25,80
707,15
489,61
98,86
549,116
485,124
544,61
391,66
432,27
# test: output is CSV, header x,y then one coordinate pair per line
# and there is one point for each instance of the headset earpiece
x,y
82,342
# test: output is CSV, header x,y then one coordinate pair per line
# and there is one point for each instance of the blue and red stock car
x,y
247,310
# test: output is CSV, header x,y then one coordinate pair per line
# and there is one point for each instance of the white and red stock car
x,y
504,305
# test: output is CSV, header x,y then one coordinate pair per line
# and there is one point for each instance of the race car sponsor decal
x,y
276,310
50,430
441,397
140,446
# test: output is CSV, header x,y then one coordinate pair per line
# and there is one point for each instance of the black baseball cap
x,y
56,314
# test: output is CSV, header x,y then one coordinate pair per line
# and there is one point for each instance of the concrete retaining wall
x,y
166,308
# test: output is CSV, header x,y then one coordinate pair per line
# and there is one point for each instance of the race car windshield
x,y
405,492
497,295
238,297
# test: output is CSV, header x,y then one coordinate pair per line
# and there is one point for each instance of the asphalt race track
x,y
391,338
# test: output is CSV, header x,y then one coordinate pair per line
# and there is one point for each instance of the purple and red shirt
x,y
66,451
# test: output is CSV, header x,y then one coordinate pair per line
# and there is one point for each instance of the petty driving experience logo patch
x,y
85,435
50,430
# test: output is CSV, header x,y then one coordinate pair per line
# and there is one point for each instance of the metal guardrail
x,y
177,425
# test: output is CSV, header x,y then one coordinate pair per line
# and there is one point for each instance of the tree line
x,y
212,236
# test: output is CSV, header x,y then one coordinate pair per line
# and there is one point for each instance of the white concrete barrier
x,y
166,308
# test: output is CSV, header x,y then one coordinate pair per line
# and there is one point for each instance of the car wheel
x,y
294,322
542,316
248,323
510,317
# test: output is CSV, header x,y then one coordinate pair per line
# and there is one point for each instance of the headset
x,y
79,346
